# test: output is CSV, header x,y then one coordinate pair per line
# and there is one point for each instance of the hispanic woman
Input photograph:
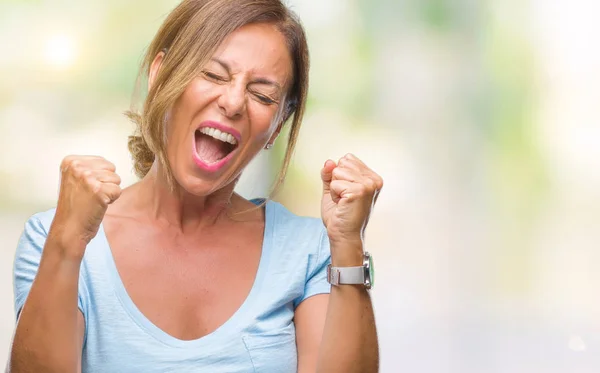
x,y
177,272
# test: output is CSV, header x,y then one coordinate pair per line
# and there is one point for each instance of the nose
x,y
232,101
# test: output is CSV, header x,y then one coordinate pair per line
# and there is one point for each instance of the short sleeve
x,y
316,282
27,260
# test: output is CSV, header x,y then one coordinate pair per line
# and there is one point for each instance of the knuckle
x,y
370,184
76,167
75,163
362,189
91,181
67,163
352,158
105,162
96,187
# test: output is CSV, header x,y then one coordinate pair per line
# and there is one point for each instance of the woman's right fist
x,y
88,184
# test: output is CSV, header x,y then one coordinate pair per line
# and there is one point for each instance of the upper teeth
x,y
217,134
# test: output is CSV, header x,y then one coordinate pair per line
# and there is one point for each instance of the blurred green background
x,y
482,117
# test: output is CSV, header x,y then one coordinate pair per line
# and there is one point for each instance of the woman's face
x,y
231,111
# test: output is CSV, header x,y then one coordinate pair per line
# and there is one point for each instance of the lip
x,y
214,167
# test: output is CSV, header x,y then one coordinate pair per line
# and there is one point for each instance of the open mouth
x,y
213,145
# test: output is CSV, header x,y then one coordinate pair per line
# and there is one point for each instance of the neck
x,y
180,209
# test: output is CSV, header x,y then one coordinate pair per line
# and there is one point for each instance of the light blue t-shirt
x,y
259,337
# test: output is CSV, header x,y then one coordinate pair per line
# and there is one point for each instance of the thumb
x,y
327,174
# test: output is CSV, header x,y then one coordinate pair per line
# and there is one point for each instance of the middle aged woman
x,y
178,273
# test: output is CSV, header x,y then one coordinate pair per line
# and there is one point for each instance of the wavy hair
x,y
190,34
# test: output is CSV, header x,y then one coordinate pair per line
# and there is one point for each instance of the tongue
x,y
210,149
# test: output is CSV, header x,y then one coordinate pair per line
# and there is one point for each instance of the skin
x,y
161,238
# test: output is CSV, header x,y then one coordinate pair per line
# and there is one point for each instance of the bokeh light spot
x,y
60,51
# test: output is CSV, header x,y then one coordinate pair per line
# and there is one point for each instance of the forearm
x,y
349,341
46,337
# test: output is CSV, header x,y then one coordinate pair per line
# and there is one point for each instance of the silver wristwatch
x,y
362,275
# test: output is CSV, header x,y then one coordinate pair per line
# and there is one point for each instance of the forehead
x,y
260,49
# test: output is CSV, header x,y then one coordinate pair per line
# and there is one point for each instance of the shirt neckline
x,y
232,325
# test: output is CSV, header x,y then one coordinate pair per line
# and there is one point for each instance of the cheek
x,y
197,94
262,118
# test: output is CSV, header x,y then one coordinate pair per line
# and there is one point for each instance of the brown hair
x,y
191,33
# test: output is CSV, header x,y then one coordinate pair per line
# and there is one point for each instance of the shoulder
x,y
43,218
287,222
37,226
302,245
300,236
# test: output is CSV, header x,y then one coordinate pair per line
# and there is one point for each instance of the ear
x,y
274,135
290,107
154,67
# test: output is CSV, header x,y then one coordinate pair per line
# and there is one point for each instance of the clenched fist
x,y
350,189
88,184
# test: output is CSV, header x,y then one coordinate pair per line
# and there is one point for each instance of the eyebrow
x,y
255,81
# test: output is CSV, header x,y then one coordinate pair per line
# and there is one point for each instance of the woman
x,y
177,273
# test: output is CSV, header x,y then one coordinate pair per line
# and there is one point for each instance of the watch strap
x,y
346,275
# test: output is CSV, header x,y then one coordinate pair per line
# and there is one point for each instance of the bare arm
x,y
50,329
310,320
336,332
349,337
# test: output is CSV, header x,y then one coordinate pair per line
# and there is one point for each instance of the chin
x,y
203,185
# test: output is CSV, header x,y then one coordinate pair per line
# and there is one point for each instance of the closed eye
x,y
214,77
264,99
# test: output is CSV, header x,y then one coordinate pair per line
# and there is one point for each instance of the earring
x,y
268,146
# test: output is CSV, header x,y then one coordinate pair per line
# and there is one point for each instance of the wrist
x,y
64,246
348,254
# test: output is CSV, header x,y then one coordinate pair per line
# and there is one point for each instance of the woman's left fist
x,y
350,190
